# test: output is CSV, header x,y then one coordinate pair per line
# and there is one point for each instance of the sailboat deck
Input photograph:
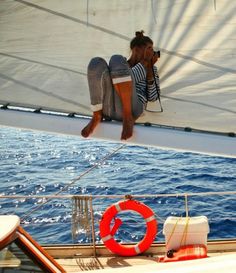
x,y
95,263
101,263
77,259
78,264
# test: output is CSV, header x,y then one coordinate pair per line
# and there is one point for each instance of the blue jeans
x,y
102,93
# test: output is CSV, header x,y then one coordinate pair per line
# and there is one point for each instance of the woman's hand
x,y
148,54
149,59
154,58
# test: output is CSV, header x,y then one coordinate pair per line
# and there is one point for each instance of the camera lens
x,y
157,53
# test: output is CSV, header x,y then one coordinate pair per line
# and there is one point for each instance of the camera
x,y
157,53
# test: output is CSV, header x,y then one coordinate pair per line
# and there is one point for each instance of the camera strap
x,y
157,88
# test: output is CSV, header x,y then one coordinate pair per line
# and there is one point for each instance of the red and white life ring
x,y
107,233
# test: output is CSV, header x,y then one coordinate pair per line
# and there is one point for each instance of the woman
x,y
121,90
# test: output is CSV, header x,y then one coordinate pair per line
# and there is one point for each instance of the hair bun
x,y
139,34
140,40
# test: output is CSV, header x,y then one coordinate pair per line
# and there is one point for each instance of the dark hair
x,y
140,40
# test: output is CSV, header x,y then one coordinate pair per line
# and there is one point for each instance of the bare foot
x,y
127,131
96,119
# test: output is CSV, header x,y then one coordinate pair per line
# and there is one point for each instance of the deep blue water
x,y
41,164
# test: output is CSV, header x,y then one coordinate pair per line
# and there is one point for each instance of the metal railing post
x,y
186,204
93,227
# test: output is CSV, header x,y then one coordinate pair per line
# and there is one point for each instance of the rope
x,y
185,232
55,196
73,181
173,231
81,217
211,219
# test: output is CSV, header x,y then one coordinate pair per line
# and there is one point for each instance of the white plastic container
x,y
181,231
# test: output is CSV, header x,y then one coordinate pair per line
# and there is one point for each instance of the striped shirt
x,y
146,92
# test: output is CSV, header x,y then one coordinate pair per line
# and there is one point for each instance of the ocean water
x,y
34,163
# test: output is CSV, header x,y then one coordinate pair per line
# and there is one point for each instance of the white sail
x,y
45,47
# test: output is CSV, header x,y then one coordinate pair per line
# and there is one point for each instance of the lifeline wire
x,y
73,181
